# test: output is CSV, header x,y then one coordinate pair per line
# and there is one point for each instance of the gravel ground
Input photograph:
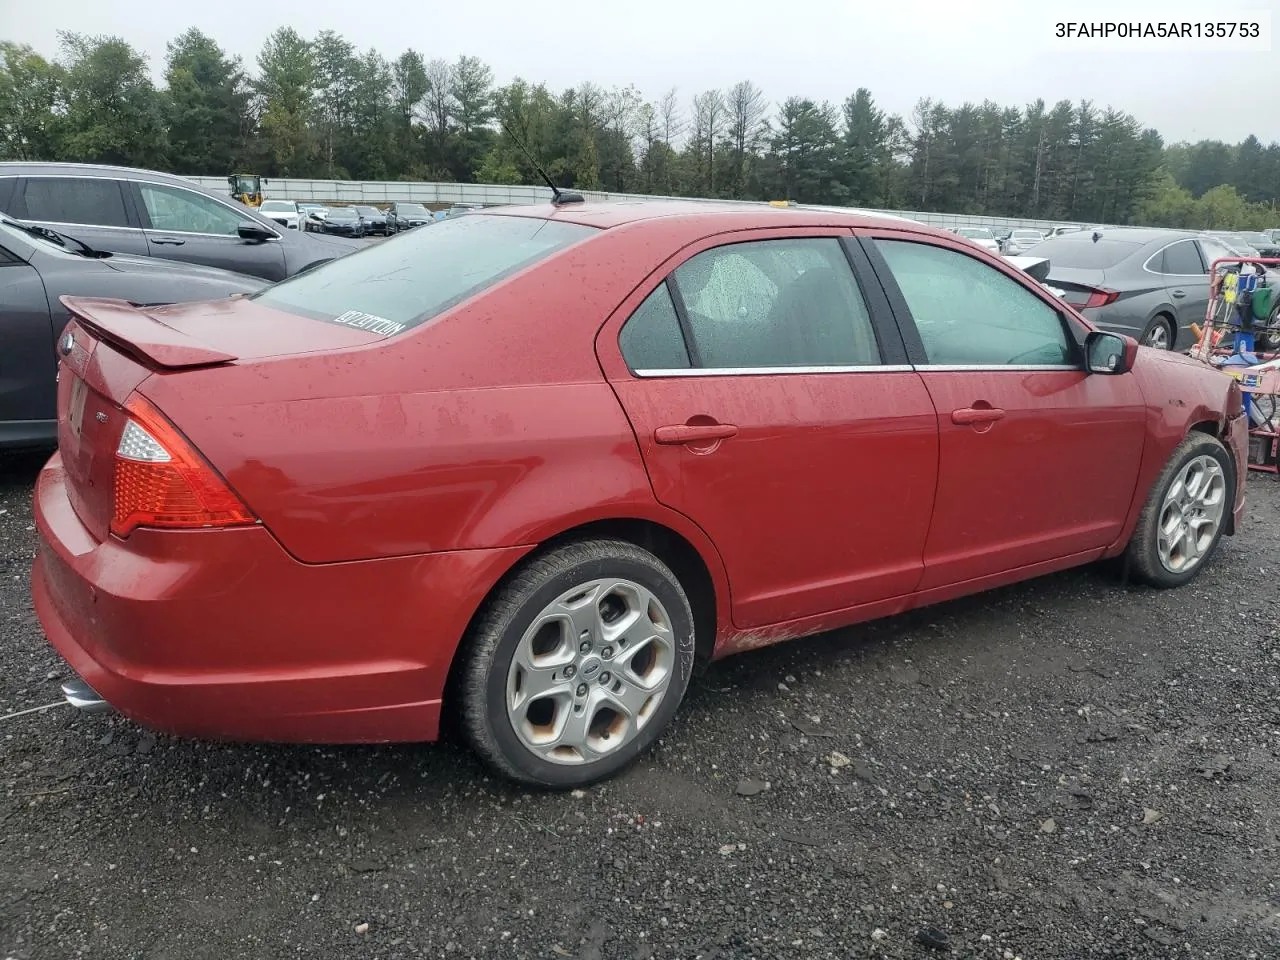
x,y
1067,768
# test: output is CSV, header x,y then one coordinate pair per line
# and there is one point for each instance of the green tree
x,y
804,149
1168,205
866,155
471,93
31,97
286,90
1221,208
409,87
208,107
113,112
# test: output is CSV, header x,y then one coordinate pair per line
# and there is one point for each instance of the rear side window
x,y
1181,259
1080,250
93,201
651,338
399,284
776,303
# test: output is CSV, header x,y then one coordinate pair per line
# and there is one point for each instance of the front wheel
x,y
1185,514
577,664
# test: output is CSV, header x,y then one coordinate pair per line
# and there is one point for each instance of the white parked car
x,y
283,212
981,236
1037,267
1021,240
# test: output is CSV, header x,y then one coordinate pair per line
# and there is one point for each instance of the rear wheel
x,y
1159,334
1268,338
1186,512
576,664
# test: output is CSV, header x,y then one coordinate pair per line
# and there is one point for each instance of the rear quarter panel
x,y
489,426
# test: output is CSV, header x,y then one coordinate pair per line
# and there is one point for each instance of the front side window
x,y
94,201
775,303
968,313
182,211
394,286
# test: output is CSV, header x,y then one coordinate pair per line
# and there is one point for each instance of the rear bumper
x,y
222,634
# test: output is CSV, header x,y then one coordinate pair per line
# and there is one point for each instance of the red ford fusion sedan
x,y
530,466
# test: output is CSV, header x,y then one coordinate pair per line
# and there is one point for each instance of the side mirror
x,y
1109,352
249,230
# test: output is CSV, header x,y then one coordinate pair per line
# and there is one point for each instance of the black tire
x,y
1170,333
1268,338
489,648
1143,551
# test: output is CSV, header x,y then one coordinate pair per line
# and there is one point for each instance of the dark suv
x,y
150,214
405,216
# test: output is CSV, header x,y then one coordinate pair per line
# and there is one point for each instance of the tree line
x,y
320,108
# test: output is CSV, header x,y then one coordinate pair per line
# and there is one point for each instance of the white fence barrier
x,y
376,192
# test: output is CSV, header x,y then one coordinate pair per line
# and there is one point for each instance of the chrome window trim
x,y
154,183
995,367
64,223
192,233
867,368
1146,264
772,371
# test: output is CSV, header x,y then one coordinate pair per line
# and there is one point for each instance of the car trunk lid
x,y
211,332
1078,284
110,347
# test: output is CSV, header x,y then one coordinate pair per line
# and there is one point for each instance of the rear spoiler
x,y
146,337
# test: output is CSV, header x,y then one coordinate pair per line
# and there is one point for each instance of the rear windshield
x,y
414,208
403,282
1074,250
974,233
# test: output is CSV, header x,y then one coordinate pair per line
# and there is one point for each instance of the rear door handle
x,y
167,241
694,433
1179,294
970,415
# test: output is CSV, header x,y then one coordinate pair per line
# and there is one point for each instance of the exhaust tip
x,y
83,697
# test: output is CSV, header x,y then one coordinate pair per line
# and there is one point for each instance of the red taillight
x,y
1088,299
161,481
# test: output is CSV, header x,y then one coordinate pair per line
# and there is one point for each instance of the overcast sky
x,y
953,50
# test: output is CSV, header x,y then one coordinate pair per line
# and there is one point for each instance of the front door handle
x,y
167,241
970,415
694,433
1179,294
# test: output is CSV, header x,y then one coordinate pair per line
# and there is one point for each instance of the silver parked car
x,y
1150,284
981,236
1020,241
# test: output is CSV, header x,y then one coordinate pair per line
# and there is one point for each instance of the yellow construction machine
x,y
247,188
